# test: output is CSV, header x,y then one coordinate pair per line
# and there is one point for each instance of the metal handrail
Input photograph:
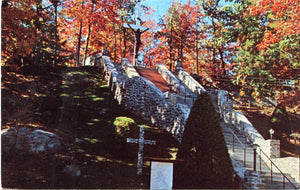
x,y
234,136
237,138
272,163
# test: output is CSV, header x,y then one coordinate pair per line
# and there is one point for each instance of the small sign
x,y
161,175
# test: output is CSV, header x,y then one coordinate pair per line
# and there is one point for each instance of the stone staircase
x,y
243,152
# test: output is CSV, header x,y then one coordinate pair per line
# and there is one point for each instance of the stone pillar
x,y
271,147
274,148
222,97
227,108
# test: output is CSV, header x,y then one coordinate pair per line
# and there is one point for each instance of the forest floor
x,y
76,104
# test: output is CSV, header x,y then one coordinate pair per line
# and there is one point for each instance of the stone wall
x,y
189,81
254,180
109,70
129,69
141,97
170,78
144,98
239,123
272,148
184,88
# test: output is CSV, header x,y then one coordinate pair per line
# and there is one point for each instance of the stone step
x,y
228,132
236,142
229,141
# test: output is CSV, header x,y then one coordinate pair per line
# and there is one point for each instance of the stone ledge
x,y
190,82
170,78
129,69
141,97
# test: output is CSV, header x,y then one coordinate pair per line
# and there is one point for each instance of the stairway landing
x,y
153,76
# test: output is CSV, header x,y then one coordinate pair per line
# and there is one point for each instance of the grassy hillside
x,y
75,103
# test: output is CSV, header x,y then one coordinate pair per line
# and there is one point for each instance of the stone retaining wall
x,y
239,122
109,70
254,180
145,99
271,147
170,78
129,69
142,97
189,81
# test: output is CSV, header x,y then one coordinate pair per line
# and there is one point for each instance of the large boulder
x,y
72,170
28,140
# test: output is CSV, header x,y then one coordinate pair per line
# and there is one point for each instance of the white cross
x,y
141,142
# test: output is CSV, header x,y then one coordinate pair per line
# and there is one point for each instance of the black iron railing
x,y
235,138
285,179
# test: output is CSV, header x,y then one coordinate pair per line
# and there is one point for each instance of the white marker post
x,y
141,141
161,175
271,131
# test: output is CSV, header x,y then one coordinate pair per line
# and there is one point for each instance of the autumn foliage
x,y
257,41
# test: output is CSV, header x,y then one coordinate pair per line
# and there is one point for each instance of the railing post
x,y
254,159
244,157
260,159
232,142
271,173
284,177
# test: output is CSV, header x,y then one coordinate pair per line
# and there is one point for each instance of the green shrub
x,y
280,121
206,160
123,125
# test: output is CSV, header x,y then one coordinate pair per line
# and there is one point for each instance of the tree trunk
x,y
56,36
197,48
197,55
214,47
181,51
214,57
35,55
136,50
89,34
87,43
149,58
79,44
222,61
124,34
171,47
115,44
171,39
79,41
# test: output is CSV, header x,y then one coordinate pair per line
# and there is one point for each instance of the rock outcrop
x,y
27,140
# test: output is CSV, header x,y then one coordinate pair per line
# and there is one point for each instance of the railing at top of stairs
x,y
284,177
261,152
